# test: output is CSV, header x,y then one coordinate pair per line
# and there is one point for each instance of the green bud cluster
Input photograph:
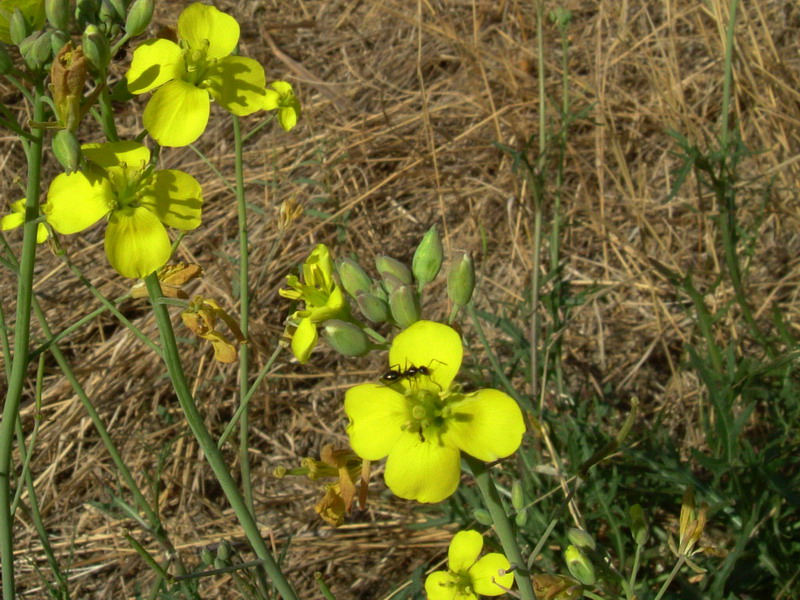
x,y
396,296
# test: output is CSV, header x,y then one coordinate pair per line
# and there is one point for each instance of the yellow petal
x,y
422,471
237,83
12,220
176,199
485,576
203,26
486,424
377,414
464,551
441,585
428,344
42,234
117,154
154,63
177,114
77,201
304,340
136,242
287,117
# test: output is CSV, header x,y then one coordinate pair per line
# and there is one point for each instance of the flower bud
x,y
139,17
18,27
207,557
639,529
68,77
581,538
521,518
224,551
36,49
58,40
96,48
354,278
428,257
482,516
373,308
67,150
517,495
346,338
377,289
391,283
5,62
108,14
86,12
461,280
579,566
405,306
120,6
387,265
57,12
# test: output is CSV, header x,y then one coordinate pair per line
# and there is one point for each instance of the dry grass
x,y
402,104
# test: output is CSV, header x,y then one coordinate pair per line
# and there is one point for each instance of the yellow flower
x,y
186,73
423,422
322,297
467,576
17,217
137,200
281,98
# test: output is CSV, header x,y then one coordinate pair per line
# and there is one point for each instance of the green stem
x,y
473,314
672,575
214,457
502,525
19,364
244,317
634,571
107,115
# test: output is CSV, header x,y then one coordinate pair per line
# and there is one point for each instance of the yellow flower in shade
x,y
467,576
423,422
184,74
281,98
137,201
323,300
17,217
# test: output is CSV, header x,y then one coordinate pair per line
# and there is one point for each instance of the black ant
x,y
394,374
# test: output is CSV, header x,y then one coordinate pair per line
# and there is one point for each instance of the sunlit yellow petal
x,y
136,242
464,550
237,83
432,345
422,471
486,424
42,234
441,585
176,199
177,114
115,154
485,577
77,201
12,220
203,26
154,63
287,117
304,340
377,414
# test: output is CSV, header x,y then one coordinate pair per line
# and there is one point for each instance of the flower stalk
x,y
207,443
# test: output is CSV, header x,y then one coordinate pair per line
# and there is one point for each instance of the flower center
x,y
197,64
427,412
129,184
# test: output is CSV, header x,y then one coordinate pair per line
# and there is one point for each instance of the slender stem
x,y
107,115
672,575
213,167
635,570
19,364
246,400
244,317
214,457
492,357
502,525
